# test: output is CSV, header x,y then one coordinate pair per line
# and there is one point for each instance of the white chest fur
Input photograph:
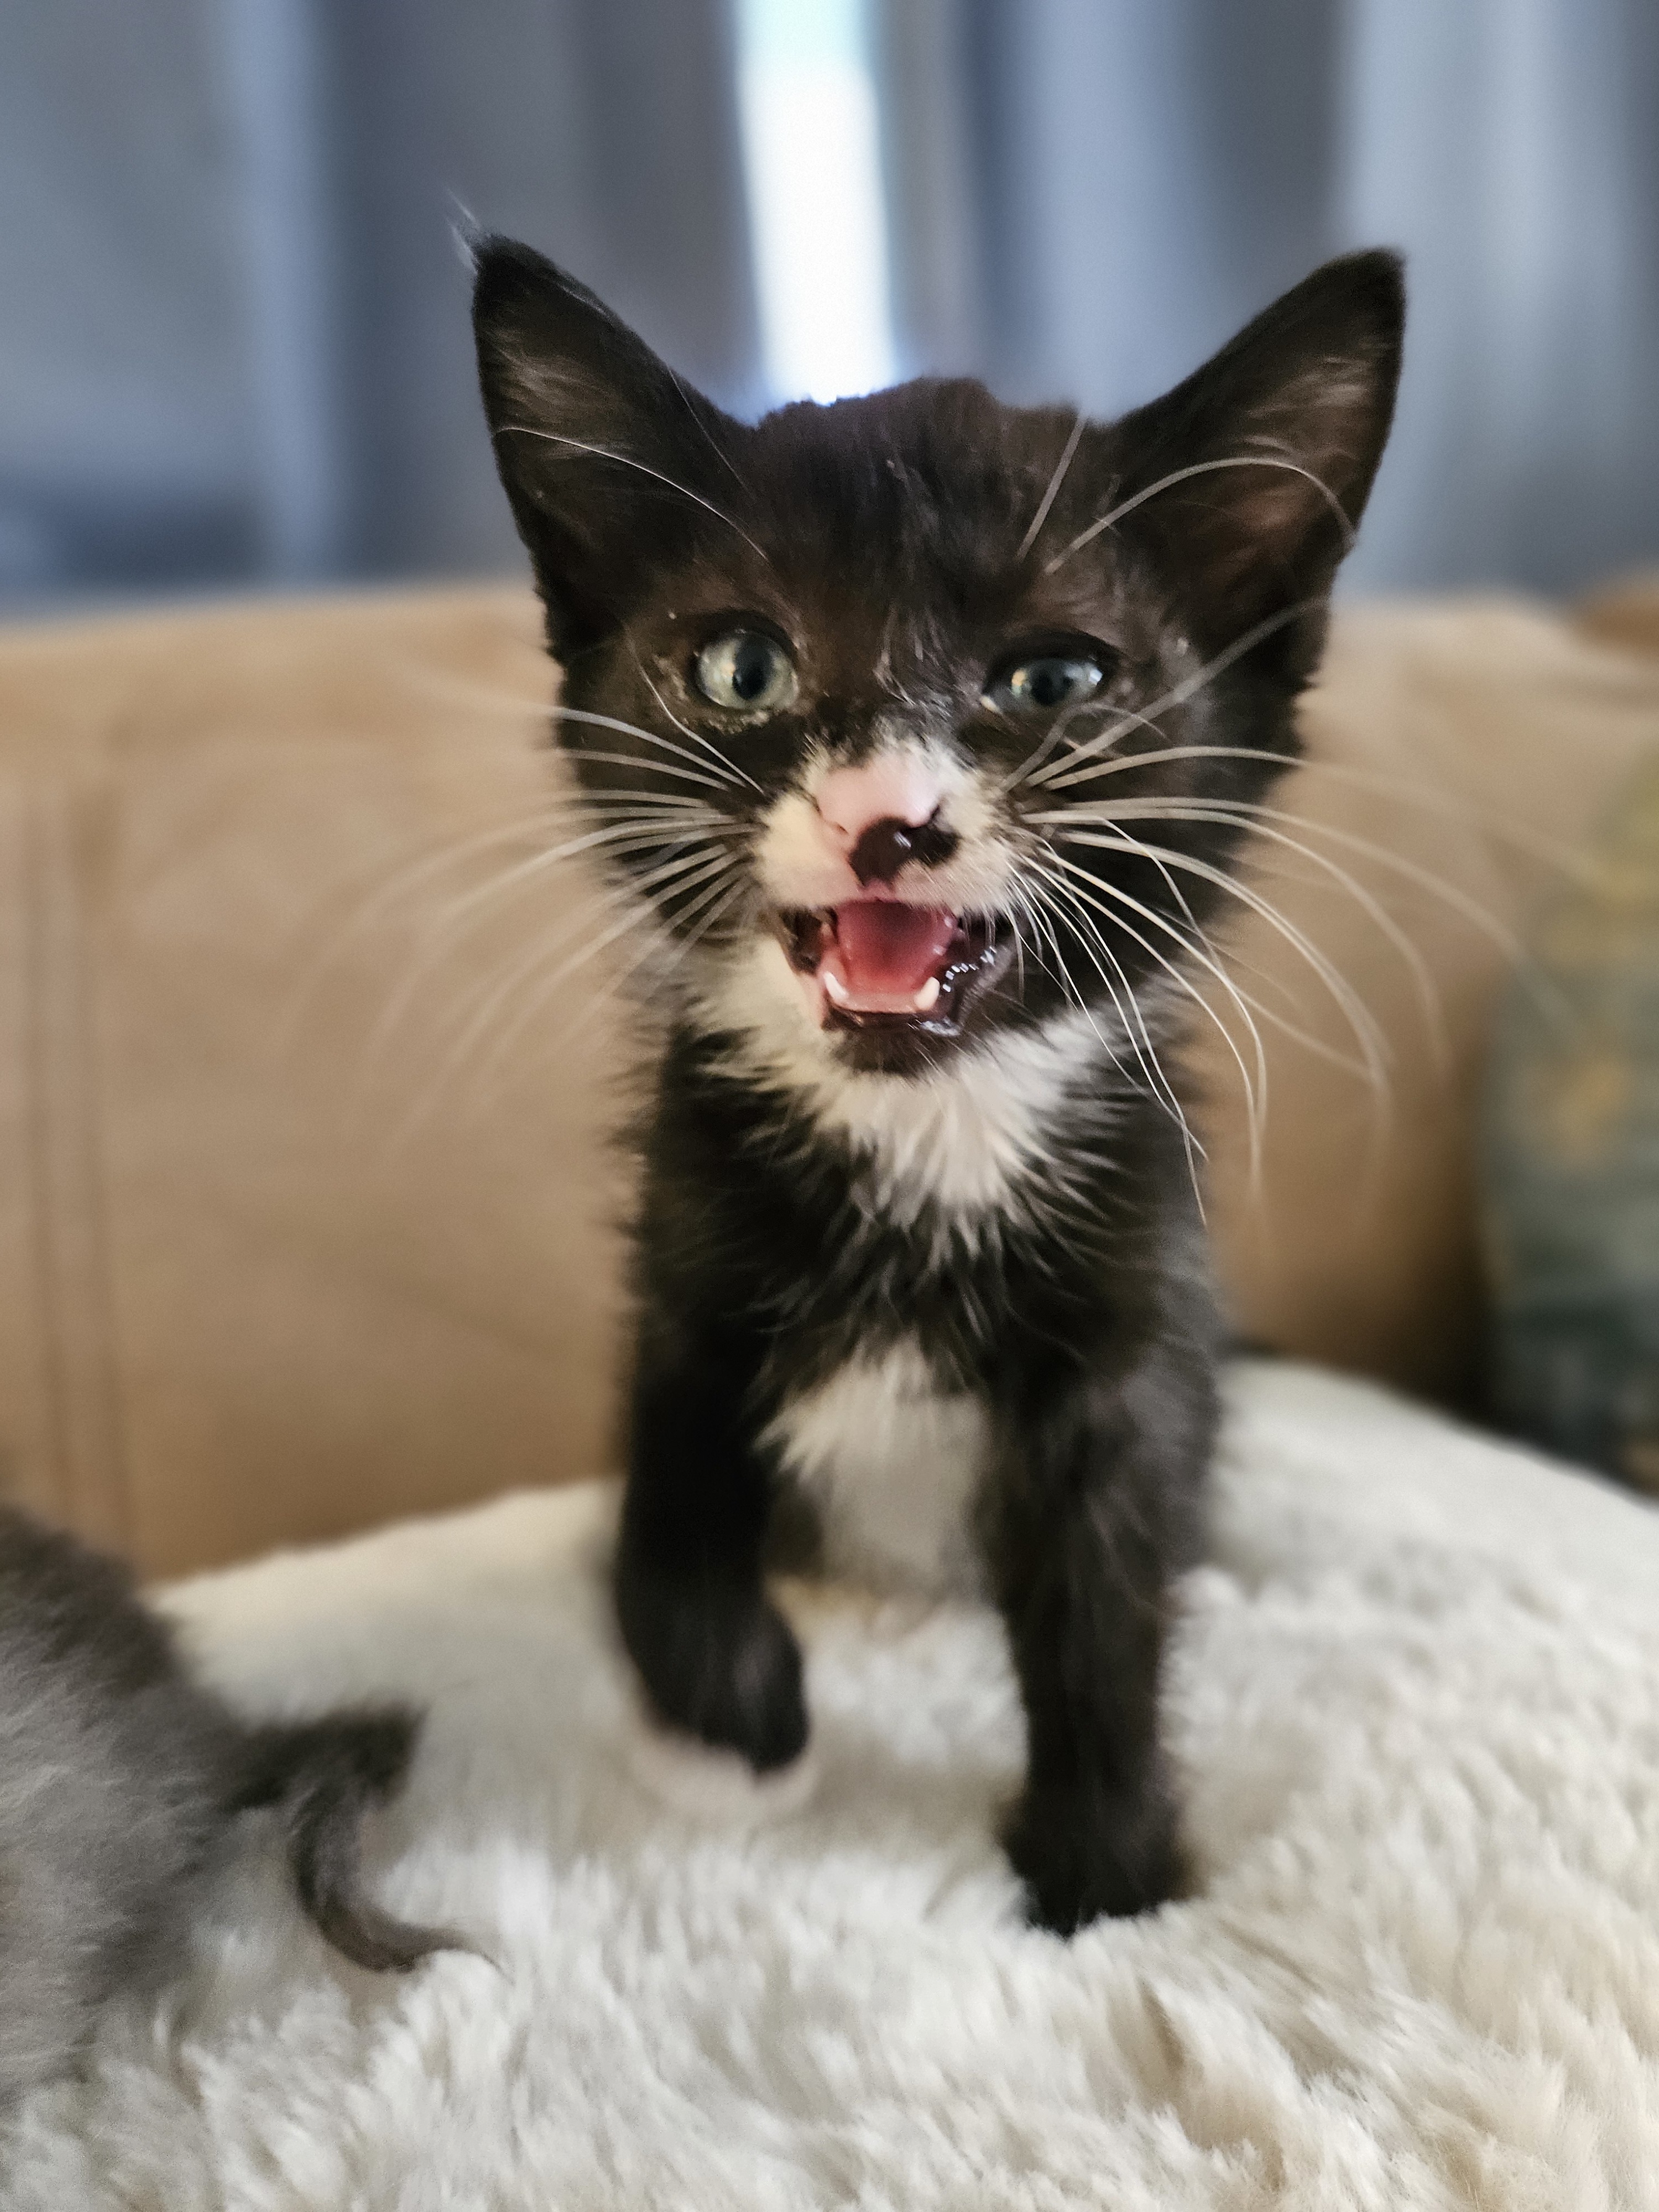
x,y
894,1466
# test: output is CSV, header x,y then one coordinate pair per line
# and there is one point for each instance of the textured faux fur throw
x,y
1417,1701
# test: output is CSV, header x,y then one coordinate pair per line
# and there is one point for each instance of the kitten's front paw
x,y
1083,1855
724,1669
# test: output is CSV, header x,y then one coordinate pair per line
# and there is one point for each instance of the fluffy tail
x,y
324,1774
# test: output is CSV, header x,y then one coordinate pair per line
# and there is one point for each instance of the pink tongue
x,y
888,948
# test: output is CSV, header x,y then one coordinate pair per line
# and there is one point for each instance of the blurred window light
x,y
812,161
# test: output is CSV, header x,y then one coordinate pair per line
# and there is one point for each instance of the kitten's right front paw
x,y
725,1669
1085,1855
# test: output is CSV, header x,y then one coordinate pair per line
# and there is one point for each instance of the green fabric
x,y
1572,1160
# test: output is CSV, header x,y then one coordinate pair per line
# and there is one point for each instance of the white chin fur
x,y
961,1135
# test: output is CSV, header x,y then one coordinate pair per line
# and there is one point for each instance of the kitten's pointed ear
x,y
1250,478
611,462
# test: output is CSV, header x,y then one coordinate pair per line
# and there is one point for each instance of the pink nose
x,y
894,789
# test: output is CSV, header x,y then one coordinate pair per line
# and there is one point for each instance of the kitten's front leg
x,y
717,1658
1099,1508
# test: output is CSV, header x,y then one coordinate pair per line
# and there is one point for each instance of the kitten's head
x,y
918,719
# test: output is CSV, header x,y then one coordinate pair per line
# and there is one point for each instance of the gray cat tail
x,y
324,1774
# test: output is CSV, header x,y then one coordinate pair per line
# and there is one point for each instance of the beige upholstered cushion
x,y
1625,613
1474,741
267,1273
305,1215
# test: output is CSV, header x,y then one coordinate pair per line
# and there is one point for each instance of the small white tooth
x,y
927,998
834,987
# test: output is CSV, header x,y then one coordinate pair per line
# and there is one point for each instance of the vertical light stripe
x,y
76,1449
818,217
289,211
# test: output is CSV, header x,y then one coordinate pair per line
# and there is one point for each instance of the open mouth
x,y
883,964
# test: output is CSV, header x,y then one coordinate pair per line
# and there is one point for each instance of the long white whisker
x,y
1249,819
1204,468
625,802
1178,694
1019,953
1017,906
686,944
420,968
405,882
653,938
1399,788
1043,926
1372,1044
645,766
1058,734
408,878
1146,1050
690,873
685,728
627,461
1052,493
1205,951
714,446
1028,892
1234,961
1096,946
1250,811
652,933
727,773
483,698
1256,1086
1196,948
619,837
724,899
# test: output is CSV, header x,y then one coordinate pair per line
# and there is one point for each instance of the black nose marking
x,y
885,846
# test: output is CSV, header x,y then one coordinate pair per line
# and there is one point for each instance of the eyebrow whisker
x,y
1052,493
627,461
1204,468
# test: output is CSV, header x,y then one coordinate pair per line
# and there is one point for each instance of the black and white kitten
x,y
119,1779
929,731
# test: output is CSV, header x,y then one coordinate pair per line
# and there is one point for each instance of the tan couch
x,y
306,1218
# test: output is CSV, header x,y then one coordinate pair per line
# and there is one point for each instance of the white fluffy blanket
x,y
1417,1706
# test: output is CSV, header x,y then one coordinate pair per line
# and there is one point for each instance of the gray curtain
x,y
1088,196
235,345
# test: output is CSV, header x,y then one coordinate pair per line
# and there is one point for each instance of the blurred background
x,y
234,349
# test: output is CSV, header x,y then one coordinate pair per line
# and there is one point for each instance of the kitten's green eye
x,y
745,670
1045,682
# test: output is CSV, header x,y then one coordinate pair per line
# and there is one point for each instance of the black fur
x,y
887,544
120,1777
1094,1339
